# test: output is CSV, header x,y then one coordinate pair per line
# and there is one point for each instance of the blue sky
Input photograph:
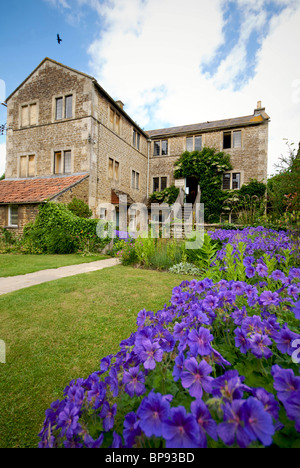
x,y
171,62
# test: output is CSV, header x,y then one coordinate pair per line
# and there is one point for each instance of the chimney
x,y
259,109
120,104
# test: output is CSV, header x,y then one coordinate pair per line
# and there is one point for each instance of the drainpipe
x,y
148,168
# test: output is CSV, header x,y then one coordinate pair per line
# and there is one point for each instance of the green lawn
x,y
59,331
14,264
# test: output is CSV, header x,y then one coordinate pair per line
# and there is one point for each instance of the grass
x,y
14,264
59,331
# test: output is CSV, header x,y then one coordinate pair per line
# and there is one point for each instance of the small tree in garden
x,y
284,187
79,208
208,167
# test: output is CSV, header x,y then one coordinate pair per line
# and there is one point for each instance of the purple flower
x,y
250,271
131,429
178,368
262,269
153,411
229,386
196,377
259,346
182,430
105,363
232,429
142,315
258,423
210,302
285,382
296,310
248,261
107,414
284,340
199,341
292,406
238,288
278,275
134,381
89,442
241,340
294,273
68,421
205,422
271,405
269,298
151,353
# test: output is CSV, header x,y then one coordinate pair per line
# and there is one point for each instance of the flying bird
x,y
59,40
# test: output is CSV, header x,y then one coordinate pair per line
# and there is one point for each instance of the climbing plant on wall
x,y
208,167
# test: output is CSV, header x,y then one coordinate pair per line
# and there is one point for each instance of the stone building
x,y
66,137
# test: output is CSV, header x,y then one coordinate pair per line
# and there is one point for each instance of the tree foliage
x,y
208,167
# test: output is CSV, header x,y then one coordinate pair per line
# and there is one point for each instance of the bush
x,y
57,230
79,208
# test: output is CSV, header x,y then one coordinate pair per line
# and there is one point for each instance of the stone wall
x,y
26,214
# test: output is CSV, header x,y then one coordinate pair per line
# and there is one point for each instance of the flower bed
x,y
217,367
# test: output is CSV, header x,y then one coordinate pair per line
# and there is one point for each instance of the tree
x,y
208,167
284,187
79,208
2,177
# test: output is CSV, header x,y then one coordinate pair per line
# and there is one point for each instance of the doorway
x,y
192,185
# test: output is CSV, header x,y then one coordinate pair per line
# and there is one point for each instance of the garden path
x,y
13,283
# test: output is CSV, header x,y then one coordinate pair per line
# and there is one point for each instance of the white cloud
x,y
2,158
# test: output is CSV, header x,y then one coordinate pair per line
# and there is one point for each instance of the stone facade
x,y
61,121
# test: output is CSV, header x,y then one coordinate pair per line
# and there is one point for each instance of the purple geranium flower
x,y
262,269
153,411
206,423
131,429
284,340
271,405
68,421
181,430
241,340
278,275
199,341
178,368
296,310
259,346
151,353
232,429
229,386
238,288
269,298
292,406
285,382
258,423
134,381
250,271
196,377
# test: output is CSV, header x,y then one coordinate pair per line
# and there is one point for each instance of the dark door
x,y
192,184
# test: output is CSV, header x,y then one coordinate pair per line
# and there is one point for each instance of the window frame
x,y
231,134
26,157
115,173
10,224
231,180
193,138
136,139
135,180
28,106
114,120
63,162
159,183
64,107
159,144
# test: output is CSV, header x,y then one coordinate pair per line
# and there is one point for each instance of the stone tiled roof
x,y
36,190
207,126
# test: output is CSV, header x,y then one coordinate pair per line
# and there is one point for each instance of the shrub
x,y
57,230
79,208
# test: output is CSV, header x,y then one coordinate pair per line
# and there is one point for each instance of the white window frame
x,y
10,224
